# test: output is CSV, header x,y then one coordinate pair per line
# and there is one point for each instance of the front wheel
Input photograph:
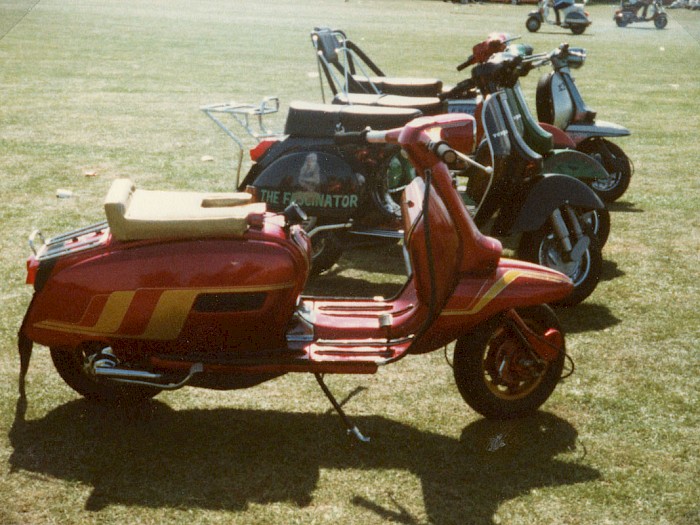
x,y
583,267
72,366
615,162
498,375
533,24
660,21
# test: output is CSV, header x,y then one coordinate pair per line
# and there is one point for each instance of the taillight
x,y
32,269
259,150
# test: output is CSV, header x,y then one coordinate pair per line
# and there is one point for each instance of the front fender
x,y
575,164
548,194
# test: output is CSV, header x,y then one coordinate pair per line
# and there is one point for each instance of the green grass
x,y
115,87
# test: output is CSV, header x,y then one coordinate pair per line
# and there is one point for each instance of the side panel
x,y
209,295
323,184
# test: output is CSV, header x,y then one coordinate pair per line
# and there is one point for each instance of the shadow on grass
x,y
586,317
624,207
226,459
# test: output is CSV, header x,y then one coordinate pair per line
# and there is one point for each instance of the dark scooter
x,y
651,11
185,288
560,106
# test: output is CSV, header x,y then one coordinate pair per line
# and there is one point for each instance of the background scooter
x,y
652,11
560,106
567,15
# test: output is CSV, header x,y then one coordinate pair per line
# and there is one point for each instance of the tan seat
x,y
134,214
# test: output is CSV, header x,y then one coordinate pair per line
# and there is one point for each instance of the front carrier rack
x,y
247,116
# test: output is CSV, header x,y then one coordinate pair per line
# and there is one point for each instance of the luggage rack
x,y
71,242
247,116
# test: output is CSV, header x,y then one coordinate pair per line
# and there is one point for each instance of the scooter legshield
x,y
548,194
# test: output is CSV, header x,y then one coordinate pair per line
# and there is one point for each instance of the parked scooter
x,y
552,211
652,11
560,106
337,55
345,189
182,288
567,15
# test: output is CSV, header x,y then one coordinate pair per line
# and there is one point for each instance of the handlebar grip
x,y
444,151
466,63
351,137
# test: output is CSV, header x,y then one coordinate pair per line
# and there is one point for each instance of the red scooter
x,y
184,288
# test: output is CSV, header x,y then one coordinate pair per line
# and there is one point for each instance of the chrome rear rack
x,y
71,242
246,116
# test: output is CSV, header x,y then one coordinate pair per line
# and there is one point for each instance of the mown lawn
x,y
92,91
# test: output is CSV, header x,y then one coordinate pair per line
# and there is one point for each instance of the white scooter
x,y
567,14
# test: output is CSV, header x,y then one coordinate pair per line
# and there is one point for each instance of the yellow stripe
x,y
499,286
167,320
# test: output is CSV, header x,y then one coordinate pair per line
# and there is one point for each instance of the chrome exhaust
x,y
105,365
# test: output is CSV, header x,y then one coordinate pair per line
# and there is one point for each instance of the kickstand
x,y
352,429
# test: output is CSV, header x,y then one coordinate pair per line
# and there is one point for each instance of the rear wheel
x,y
620,21
533,24
578,29
72,366
615,162
544,247
498,375
660,21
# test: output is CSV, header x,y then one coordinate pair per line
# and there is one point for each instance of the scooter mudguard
x,y
322,183
536,14
601,128
548,194
575,164
514,282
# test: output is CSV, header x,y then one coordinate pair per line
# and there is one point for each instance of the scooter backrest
x,y
328,44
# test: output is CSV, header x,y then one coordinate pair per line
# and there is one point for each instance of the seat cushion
x,y
135,214
426,105
324,120
404,86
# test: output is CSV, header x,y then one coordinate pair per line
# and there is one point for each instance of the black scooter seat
x,y
404,86
427,105
324,120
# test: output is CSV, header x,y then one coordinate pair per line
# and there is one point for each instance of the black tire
x,y
615,162
621,22
533,24
543,247
660,21
70,366
578,29
497,375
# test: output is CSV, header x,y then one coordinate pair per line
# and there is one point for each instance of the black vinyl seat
x,y
307,119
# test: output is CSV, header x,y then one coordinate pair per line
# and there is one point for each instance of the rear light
x,y
259,150
32,269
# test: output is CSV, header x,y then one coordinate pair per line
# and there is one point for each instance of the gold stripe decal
x,y
499,286
167,319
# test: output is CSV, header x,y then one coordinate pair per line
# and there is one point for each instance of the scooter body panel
x,y
321,182
477,298
211,295
575,164
548,194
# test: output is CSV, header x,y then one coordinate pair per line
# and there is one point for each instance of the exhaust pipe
x,y
106,365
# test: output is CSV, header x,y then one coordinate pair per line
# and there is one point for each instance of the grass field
x,y
94,90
